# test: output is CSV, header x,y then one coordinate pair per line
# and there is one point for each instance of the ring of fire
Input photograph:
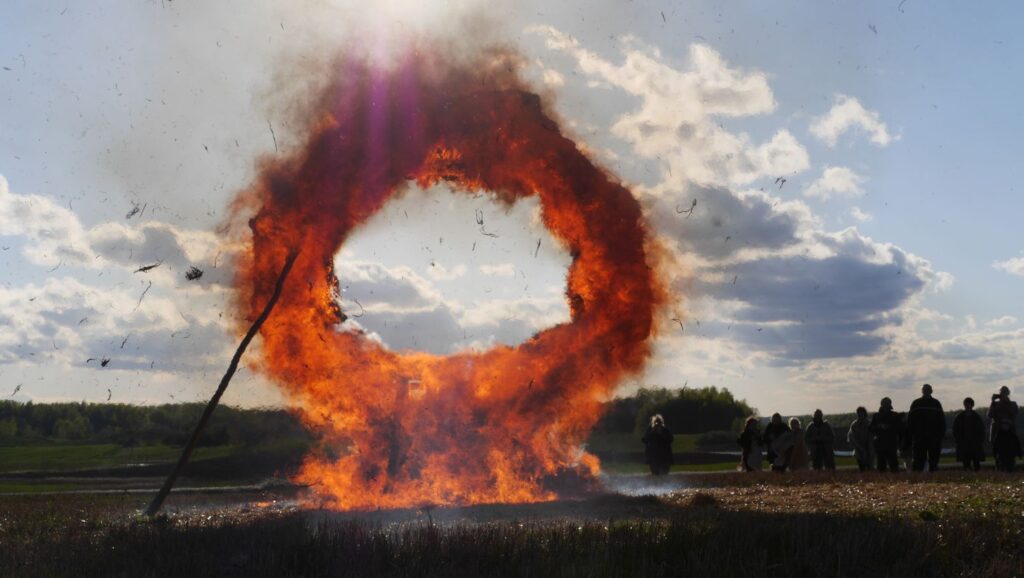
x,y
407,428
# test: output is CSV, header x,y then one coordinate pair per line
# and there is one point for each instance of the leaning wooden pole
x,y
158,501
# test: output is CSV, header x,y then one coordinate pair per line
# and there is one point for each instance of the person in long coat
x,y
969,433
1006,446
927,426
749,441
773,431
859,437
791,449
821,440
887,432
658,446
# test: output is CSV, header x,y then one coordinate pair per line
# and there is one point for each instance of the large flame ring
x,y
408,428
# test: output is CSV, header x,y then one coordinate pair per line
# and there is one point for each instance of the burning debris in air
x,y
193,274
408,428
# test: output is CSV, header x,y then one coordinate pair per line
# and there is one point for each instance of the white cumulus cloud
x,y
1014,266
847,113
53,236
835,182
861,215
678,119
1004,321
775,283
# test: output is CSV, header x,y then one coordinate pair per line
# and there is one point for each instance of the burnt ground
x,y
641,496
804,524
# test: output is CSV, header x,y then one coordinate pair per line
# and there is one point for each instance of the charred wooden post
x,y
158,501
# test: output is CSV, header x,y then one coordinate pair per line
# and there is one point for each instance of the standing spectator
x,y
791,449
1005,443
859,437
887,430
820,440
969,433
798,458
658,446
927,425
750,458
773,431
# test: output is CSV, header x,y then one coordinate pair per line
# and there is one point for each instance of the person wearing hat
x,y
886,432
927,424
1005,443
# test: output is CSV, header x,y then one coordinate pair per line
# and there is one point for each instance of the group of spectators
x,y
877,443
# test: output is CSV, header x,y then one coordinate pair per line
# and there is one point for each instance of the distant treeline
x,y
711,411
687,410
134,425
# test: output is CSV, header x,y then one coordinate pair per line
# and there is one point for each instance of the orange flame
x,y
408,428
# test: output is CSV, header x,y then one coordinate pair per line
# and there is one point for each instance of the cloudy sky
x,y
855,167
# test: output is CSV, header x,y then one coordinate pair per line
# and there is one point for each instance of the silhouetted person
x,y
658,446
859,437
1006,445
798,458
887,432
775,429
927,425
749,440
791,449
820,440
969,433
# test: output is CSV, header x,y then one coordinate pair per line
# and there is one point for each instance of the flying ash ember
x,y
408,428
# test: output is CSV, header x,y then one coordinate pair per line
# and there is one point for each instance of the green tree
x,y
686,410
72,428
8,429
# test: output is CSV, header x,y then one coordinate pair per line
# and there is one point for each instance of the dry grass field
x,y
808,524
